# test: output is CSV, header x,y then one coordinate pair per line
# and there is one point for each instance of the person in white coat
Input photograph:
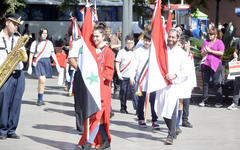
x,y
167,98
188,85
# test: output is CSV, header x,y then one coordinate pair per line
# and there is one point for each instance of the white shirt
x,y
125,57
47,51
141,56
5,50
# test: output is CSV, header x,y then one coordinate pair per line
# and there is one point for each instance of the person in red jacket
x,y
99,122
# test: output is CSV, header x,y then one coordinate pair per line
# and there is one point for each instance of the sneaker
x,y
155,126
187,124
232,107
202,104
218,105
169,140
142,124
178,131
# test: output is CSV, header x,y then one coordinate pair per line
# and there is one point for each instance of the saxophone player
x,y
12,91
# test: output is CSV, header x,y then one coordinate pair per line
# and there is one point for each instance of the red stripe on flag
x,y
87,31
169,21
159,44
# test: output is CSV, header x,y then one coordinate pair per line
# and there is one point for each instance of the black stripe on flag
x,y
82,95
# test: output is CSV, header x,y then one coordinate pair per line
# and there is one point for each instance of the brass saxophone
x,y
13,59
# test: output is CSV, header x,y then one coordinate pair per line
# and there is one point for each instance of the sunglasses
x,y
211,34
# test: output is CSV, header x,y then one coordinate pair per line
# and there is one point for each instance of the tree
x,y
9,6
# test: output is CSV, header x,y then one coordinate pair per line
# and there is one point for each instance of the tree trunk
x,y
217,13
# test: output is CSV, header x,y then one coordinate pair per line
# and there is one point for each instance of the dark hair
x,y
41,30
147,36
183,39
101,24
129,37
100,29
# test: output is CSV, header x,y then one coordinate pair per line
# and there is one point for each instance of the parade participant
x,y
212,50
123,67
139,64
167,98
12,91
99,122
188,85
40,53
236,83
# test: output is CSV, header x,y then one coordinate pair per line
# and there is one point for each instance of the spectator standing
x,y
212,50
236,83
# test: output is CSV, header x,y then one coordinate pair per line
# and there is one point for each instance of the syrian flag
x,y
90,101
93,12
169,21
158,59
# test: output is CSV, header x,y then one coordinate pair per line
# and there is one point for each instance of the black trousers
x,y
141,102
78,112
124,87
217,78
171,123
186,102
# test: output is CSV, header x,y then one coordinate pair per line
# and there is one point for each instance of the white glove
x,y
67,77
120,75
58,68
29,71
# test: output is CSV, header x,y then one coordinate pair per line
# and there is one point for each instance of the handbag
x,y
61,58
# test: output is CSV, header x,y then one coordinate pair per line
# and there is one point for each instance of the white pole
x,y
182,1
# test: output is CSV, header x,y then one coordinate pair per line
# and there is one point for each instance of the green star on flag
x,y
80,50
92,78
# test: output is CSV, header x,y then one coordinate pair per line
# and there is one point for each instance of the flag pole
x,y
146,106
88,120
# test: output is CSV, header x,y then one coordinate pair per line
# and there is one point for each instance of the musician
x,y
12,91
41,50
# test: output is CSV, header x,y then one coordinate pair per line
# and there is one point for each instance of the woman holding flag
x,y
92,83
40,52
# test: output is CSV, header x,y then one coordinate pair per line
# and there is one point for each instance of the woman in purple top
x,y
212,50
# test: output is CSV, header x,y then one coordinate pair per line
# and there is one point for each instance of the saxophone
x,y
13,59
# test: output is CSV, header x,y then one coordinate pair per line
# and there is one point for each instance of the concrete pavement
x,y
52,126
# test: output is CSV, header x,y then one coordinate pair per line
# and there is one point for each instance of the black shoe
x,y
13,136
105,145
123,111
40,103
178,131
187,124
3,137
111,114
169,140
86,146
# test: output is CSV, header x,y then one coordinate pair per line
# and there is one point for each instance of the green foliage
x,y
196,45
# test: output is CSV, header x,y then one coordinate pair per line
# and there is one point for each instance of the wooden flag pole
x,y
87,128
146,106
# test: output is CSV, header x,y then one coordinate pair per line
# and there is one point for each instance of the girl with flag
x,y
40,52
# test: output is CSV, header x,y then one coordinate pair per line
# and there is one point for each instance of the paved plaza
x,y
52,126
